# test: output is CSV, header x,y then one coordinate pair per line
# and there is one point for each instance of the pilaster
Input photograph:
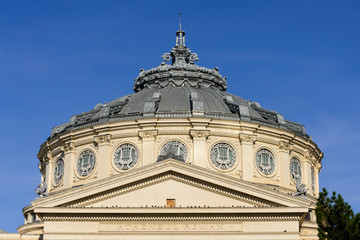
x,y
199,140
148,137
317,171
48,170
102,143
247,157
307,176
284,160
69,155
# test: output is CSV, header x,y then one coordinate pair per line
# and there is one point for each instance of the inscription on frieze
x,y
170,226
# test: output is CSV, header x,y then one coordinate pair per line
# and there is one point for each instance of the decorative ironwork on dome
x,y
182,70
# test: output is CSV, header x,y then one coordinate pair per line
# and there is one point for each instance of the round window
x,y
175,150
86,163
58,171
312,178
265,162
126,156
223,156
295,169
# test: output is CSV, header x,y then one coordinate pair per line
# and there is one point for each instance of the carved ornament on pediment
x,y
247,138
102,139
148,134
199,134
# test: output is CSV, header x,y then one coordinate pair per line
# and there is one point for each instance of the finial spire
x,y
180,35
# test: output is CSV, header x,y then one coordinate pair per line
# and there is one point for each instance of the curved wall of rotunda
x,y
243,150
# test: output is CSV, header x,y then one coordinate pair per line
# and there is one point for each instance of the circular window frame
x,y
76,162
313,184
189,152
236,163
275,160
53,172
301,168
113,164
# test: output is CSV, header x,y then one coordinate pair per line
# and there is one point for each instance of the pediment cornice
x,y
199,177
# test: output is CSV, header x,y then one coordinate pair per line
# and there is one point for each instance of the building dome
x,y
180,89
175,105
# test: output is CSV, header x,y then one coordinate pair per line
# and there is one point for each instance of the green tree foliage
x,y
336,219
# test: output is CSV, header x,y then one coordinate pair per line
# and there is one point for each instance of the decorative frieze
x,y
176,226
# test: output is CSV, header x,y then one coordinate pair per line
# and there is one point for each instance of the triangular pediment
x,y
153,185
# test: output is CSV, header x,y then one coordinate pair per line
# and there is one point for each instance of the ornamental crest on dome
x,y
182,69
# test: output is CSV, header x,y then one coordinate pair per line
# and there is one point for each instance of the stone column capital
x,y
68,147
148,135
247,138
199,134
104,139
284,146
49,158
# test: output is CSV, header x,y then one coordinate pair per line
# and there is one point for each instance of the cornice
x,y
171,214
164,177
209,123
23,229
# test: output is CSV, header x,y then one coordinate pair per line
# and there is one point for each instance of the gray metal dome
x,y
180,89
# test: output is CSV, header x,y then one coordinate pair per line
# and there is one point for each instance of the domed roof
x,y
180,89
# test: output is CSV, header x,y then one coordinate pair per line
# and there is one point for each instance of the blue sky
x,y
60,58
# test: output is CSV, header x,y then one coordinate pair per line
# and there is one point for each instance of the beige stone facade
x,y
221,188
